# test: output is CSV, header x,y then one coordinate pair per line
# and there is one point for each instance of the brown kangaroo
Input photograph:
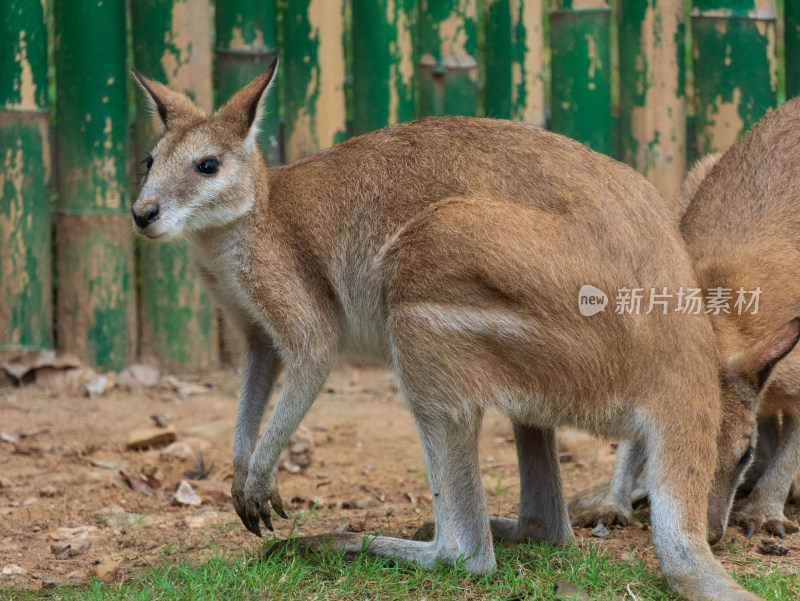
x,y
454,250
740,218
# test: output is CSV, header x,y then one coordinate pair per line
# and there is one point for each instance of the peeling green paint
x,y
792,48
247,42
314,75
172,43
23,55
581,72
26,302
735,67
448,65
176,317
26,299
92,121
95,311
514,60
383,63
92,134
652,105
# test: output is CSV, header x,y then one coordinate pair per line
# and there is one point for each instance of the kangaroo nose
x,y
149,217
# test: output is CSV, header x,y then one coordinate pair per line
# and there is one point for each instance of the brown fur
x,y
453,249
743,230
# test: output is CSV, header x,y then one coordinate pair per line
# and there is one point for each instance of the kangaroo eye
x,y
148,162
208,166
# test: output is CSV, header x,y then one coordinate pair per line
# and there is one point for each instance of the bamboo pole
x,y
581,72
792,49
383,63
652,100
247,43
95,311
177,322
448,69
735,69
515,60
26,298
314,75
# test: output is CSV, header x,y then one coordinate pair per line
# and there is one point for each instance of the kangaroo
x,y
453,249
741,223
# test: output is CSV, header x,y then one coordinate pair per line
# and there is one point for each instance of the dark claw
x,y
281,512
249,523
265,516
780,532
623,521
750,530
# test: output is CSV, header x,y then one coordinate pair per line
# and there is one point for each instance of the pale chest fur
x,y
223,263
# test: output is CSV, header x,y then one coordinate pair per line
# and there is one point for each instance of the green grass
x,y
524,572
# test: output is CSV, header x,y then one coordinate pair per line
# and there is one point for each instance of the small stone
x,y
69,548
29,501
4,483
185,495
160,420
97,386
114,516
49,583
144,438
105,570
600,531
299,452
48,491
178,449
138,375
9,438
13,570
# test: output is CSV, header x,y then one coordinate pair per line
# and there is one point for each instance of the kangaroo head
x,y
202,171
743,378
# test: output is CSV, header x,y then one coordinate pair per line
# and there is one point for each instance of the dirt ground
x,y
63,458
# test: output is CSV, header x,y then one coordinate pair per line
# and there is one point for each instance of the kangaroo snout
x,y
146,214
715,533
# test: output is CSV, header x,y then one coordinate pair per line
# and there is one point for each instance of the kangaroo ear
x,y
172,107
243,112
757,363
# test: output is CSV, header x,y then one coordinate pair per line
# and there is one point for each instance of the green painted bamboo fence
x,y
652,99
515,79
792,46
26,300
407,58
448,65
383,63
735,69
96,303
177,322
314,74
580,67
247,43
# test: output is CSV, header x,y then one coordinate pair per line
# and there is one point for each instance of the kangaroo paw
x,y
753,517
